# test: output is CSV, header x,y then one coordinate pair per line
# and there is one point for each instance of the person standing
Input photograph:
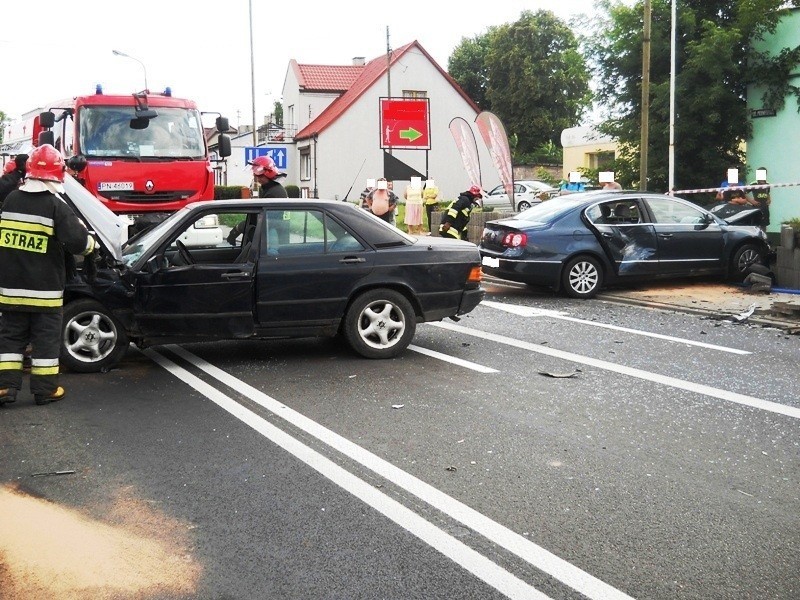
x,y
455,219
760,197
13,174
413,216
367,191
382,201
36,228
266,175
430,197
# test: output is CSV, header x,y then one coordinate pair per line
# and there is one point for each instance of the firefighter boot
x,y
7,396
57,395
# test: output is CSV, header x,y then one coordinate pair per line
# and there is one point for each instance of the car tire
x,y
380,323
92,340
582,277
744,257
523,205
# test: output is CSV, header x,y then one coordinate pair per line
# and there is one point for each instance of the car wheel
x,y
582,277
92,339
523,205
380,324
745,257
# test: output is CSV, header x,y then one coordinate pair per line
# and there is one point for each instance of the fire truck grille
x,y
165,196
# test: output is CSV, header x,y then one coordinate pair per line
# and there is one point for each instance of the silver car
x,y
526,194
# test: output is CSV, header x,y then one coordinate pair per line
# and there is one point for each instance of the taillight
x,y
475,275
515,240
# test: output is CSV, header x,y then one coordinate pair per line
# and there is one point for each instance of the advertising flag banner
x,y
467,148
494,136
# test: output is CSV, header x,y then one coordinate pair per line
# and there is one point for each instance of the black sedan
x,y
579,243
299,268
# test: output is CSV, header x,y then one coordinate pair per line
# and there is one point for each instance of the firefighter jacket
x,y
457,214
272,189
35,230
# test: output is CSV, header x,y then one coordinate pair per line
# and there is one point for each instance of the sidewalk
x,y
714,299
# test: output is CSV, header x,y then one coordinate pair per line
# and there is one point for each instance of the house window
x,y
414,94
290,116
305,164
600,160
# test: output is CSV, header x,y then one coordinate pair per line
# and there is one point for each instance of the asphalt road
x,y
539,448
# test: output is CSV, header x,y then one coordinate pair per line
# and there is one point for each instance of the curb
x,y
790,326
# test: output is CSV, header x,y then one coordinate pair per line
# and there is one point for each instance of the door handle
x,y
236,275
665,235
352,259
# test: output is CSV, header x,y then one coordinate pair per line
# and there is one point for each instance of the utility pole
x,y
673,36
252,77
645,98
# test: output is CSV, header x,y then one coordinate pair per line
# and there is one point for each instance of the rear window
x,y
549,209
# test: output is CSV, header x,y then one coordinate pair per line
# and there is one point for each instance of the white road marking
x,y
697,388
452,359
526,311
486,570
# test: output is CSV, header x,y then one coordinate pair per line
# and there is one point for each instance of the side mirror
x,y
224,142
156,263
222,124
47,137
77,163
47,119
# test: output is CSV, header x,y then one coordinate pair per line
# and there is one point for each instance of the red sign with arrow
x,y
405,123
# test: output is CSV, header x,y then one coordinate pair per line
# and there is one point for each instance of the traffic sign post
x,y
405,123
277,153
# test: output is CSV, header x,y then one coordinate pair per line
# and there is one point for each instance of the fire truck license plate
x,y
114,186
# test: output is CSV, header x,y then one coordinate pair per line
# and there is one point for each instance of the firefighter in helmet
x,y
455,218
37,227
266,175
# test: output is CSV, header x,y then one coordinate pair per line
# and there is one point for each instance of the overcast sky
x,y
57,49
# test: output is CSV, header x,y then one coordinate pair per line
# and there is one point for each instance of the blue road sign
x,y
276,153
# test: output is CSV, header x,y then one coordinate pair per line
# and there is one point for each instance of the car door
x,y
626,235
308,269
205,290
689,240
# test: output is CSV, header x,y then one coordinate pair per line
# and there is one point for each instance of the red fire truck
x,y
137,153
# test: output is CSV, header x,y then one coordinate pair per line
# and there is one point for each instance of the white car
x,y
526,194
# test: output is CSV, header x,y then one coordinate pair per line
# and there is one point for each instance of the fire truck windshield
x,y
108,132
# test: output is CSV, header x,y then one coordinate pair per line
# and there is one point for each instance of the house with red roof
x,y
332,135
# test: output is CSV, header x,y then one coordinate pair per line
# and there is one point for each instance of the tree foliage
x,y
714,64
530,73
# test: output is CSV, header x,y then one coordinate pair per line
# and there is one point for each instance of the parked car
x,y
302,268
526,194
580,242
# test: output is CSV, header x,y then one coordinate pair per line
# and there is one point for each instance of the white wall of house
x,y
348,151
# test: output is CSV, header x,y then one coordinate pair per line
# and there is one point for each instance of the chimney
x,y
359,61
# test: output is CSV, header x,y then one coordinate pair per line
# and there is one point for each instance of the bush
x,y
292,191
793,223
227,192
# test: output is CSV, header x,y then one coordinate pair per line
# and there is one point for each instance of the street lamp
x,y
118,53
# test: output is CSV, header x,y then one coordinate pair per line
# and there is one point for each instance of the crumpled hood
x,y
734,214
109,227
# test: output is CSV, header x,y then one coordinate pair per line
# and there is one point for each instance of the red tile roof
x,y
326,78
369,74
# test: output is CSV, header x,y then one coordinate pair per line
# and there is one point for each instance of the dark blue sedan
x,y
581,242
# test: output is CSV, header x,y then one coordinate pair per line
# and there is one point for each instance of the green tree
x,y
467,65
530,73
715,63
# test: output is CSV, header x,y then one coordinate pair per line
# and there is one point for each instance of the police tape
x,y
746,188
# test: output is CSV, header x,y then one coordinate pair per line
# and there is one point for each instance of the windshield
x,y
132,251
106,132
550,209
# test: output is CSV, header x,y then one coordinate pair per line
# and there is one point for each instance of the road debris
x,y
743,316
49,473
559,375
398,405
451,468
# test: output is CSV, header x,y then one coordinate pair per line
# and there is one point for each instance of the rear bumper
x,y
470,300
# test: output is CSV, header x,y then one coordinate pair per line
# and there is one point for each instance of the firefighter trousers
x,y
43,332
